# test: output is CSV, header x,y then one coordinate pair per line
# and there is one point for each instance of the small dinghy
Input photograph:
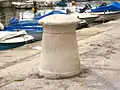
x,y
13,39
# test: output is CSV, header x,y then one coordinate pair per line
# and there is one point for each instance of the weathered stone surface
x,y
100,59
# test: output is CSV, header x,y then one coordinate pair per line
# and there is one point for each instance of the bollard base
x,y
54,75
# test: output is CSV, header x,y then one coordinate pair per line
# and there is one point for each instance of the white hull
x,y
86,16
107,16
14,37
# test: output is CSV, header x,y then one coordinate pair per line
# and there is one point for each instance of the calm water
x,y
7,13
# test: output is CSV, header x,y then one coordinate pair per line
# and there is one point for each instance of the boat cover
x,y
15,24
115,6
15,21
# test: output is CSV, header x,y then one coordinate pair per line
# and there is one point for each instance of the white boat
x,y
89,17
107,16
13,39
21,5
98,16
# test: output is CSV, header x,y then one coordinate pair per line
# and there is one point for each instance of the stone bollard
x,y
59,57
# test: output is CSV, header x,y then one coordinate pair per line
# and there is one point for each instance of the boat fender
x,y
1,26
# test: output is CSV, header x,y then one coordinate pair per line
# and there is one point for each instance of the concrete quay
x,y
99,51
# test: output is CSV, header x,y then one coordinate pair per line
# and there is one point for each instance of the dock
x,y
99,51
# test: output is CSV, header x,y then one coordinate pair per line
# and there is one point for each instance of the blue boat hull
x,y
5,46
19,27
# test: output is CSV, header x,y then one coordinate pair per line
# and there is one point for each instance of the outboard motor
x,y
68,11
103,4
1,26
87,6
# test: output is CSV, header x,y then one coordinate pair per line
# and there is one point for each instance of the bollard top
x,y
58,19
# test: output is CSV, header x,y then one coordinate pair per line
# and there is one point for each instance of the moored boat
x,y
31,26
107,12
107,16
104,11
89,17
14,39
